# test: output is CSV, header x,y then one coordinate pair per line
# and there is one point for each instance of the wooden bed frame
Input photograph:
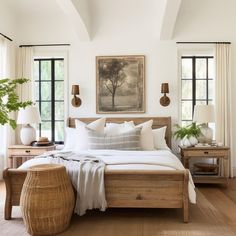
x,y
125,188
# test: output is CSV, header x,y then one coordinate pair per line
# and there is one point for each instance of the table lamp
x,y
204,114
27,116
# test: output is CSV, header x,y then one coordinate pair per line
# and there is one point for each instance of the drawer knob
x,y
139,197
205,152
27,151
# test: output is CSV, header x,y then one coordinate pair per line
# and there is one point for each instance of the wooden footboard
x,y
138,189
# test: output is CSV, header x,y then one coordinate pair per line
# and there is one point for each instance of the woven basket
x,y
47,200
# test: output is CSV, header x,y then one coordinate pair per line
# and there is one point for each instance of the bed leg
x,y
8,202
186,198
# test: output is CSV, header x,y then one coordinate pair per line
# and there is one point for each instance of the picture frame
x,y
120,84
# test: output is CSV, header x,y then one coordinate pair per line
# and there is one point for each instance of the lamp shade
x,y
164,88
204,114
75,90
29,115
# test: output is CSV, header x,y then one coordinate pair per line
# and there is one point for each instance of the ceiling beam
x,y
78,14
169,19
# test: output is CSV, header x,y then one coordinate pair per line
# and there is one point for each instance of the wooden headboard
x,y
158,122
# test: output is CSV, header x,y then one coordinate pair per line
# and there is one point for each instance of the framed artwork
x,y
120,84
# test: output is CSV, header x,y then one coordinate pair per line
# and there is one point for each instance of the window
x,y
197,84
49,94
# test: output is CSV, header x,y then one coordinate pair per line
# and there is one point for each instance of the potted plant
x,y
9,100
188,134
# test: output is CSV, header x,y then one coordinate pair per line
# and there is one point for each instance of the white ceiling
x,y
106,16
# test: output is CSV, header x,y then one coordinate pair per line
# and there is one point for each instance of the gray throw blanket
x,y
87,176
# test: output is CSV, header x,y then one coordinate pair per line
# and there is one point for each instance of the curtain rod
x,y
203,42
44,45
6,37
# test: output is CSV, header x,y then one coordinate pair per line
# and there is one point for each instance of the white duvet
x,y
132,160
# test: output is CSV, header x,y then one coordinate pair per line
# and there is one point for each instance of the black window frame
x,y
194,79
53,100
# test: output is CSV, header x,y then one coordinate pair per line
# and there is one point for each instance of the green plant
x,y
188,131
9,100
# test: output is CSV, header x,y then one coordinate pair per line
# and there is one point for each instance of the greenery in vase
x,y
9,100
188,131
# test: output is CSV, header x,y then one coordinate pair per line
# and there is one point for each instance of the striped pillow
x,y
129,140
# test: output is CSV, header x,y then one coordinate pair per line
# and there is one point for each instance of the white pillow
x,y
82,140
70,139
159,138
115,129
146,140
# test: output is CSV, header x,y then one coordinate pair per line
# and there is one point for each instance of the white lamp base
x,y
207,134
27,134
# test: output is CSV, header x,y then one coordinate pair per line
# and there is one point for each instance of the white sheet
x,y
134,160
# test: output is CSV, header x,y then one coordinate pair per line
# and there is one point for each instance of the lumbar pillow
x,y
82,140
159,138
114,128
129,140
146,140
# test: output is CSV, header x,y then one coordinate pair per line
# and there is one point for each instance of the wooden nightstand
x,y
18,154
220,154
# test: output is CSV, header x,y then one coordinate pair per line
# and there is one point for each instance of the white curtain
x,y
224,101
7,70
24,69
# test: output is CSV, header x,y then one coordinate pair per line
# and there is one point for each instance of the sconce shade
x,y
164,88
29,115
204,114
75,90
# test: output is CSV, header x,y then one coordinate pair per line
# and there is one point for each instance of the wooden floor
x,y
214,214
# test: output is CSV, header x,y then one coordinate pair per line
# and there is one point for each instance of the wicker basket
x,y
47,200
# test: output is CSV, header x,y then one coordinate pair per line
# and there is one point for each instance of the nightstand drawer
x,y
26,152
206,153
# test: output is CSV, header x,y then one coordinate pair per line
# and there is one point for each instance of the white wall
x,y
7,21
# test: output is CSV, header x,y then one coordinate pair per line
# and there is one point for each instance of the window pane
x,y
59,70
186,89
186,68
201,103
210,69
210,89
200,89
59,131
45,70
46,91
185,123
186,110
59,110
200,68
36,91
59,90
36,70
46,111
46,130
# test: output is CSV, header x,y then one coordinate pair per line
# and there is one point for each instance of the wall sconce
x,y
76,101
164,101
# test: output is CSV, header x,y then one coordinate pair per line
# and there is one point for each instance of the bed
x,y
126,187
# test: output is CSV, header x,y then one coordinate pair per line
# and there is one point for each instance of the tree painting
x,y
120,84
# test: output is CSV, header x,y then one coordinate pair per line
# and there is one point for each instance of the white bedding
x,y
132,160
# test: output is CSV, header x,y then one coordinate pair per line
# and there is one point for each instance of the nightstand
x,y
18,154
220,154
